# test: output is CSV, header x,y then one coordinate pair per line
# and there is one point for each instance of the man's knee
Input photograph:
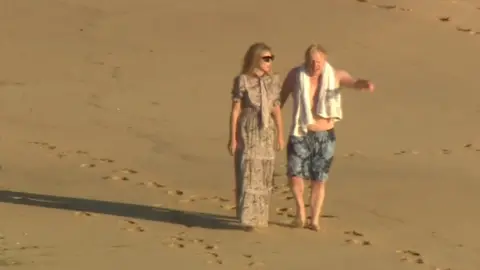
x,y
318,184
296,182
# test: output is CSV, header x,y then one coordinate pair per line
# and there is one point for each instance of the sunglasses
x,y
268,58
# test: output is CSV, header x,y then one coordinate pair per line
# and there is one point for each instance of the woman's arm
x,y
287,86
282,92
236,108
238,91
277,117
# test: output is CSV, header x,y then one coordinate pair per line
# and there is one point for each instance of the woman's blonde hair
x,y
310,51
253,55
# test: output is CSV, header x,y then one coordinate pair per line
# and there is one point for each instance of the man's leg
x,y
322,159
298,159
297,187
316,201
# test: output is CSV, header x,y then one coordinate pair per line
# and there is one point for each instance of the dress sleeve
x,y
238,89
276,89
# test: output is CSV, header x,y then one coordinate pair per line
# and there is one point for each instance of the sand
x,y
114,124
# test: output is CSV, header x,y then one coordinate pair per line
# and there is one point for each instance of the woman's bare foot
x,y
256,228
249,228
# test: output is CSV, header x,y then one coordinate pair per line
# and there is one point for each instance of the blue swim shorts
x,y
310,157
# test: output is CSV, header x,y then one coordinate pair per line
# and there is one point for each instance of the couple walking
x,y
256,130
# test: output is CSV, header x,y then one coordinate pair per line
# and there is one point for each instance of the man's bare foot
x,y
298,223
314,227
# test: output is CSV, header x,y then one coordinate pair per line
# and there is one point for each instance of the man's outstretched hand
x,y
364,85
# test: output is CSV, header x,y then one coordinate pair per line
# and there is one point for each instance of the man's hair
x,y
312,49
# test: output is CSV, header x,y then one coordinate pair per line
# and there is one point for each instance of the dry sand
x,y
140,90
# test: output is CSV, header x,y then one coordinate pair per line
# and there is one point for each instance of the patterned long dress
x,y
256,137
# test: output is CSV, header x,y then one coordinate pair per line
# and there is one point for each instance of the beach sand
x,y
114,124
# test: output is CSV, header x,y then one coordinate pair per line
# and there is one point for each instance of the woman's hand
x,y
232,146
280,143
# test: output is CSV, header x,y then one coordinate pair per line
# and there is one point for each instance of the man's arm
x,y
346,80
288,86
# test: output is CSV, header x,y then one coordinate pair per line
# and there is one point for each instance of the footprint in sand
x,y
219,199
4,83
45,145
356,238
175,192
228,207
181,240
353,154
467,30
285,211
175,241
126,171
121,171
444,18
132,226
446,151
211,251
253,263
63,154
152,184
9,262
83,214
404,152
87,165
116,178
386,7
470,146
189,200
282,189
116,73
410,256
104,160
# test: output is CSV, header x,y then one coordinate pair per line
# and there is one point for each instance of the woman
x,y
255,133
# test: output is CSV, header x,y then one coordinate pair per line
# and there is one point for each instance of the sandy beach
x,y
114,125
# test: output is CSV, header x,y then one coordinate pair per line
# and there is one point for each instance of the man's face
x,y
318,63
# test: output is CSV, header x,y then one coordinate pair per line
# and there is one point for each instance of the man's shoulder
x,y
292,73
294,70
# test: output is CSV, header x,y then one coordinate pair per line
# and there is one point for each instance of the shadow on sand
x,y
137,211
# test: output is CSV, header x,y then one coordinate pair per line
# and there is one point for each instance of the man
x,y
310,153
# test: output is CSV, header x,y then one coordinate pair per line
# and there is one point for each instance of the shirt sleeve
x,y
238,89
277,88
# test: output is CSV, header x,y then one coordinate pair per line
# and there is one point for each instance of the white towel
x,y
329,100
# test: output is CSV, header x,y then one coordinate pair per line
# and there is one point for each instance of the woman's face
x,y
266,60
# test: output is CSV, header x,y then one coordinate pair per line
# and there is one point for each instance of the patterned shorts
x,y
310,157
